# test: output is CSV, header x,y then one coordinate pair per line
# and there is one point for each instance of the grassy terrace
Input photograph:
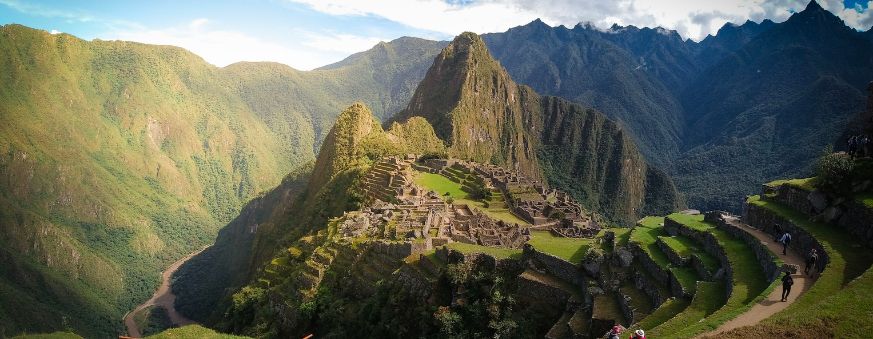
x,y
749,282
806,184
192,332
686,247
442,185
497,252
646,235
834,295
667,311
708,299
570,249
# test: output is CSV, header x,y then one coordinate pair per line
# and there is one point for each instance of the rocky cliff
x,y
485,116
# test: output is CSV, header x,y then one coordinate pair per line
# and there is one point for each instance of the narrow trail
x,y
772,304
162,297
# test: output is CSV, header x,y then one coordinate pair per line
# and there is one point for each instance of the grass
x,y
667,311
570,249
687,277
646,234
686,248
55,335
835,296
806,184
192,332
708,299
442,185
866,199
749,282
497,252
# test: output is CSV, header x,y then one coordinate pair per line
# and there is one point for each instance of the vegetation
x,y
192,332
829,301
497,252
460,194
570,249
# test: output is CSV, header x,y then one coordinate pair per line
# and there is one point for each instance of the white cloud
x,y
223,47
691,18
37,10
54,31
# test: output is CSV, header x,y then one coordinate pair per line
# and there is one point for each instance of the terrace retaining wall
x,y
710,245
766,259
555,266
760,217
849,214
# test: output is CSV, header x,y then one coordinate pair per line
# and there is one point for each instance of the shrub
x,y
835,173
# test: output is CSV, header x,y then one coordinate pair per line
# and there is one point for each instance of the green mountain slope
x,y
118,158
299,207
486,117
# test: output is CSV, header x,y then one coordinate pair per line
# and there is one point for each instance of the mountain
x,y
581,65
786,94
118,158
486,117
299,207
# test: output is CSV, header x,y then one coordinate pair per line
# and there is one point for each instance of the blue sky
x,y
309,33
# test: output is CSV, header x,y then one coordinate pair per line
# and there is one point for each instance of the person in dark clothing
x,y
810,262
777,230
785,240
863,143
853,145
787,281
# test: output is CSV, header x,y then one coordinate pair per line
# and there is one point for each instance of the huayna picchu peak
x,y
697,170
486,117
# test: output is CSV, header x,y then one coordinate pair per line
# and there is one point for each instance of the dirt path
x,y
163,297
772,304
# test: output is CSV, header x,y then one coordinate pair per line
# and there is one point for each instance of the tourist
x,y
787,281
615,332
638,334
785,240
777,230
862,146
853,145
810,262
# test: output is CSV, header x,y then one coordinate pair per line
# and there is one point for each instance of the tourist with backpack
x,y
638,334
787,281
785,240
614,333
810,262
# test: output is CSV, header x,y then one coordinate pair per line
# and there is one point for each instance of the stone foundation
x,y
765,257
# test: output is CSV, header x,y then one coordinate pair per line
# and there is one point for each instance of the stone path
x,y
772,304
162,297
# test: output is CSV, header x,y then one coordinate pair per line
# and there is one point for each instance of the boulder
x,y
818,200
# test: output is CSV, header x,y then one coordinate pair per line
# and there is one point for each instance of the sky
x,y
306,34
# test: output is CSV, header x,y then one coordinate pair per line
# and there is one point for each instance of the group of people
x,y
615,333
858,145
784,238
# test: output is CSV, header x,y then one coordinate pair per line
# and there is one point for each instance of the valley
x,y
539,181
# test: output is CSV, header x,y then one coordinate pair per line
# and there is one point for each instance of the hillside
x,y
486,117
118,158
300,206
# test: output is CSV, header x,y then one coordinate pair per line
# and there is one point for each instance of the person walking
x,y
777,230
785,240
853,145
615,332
862,146
787,281
638,334
810,262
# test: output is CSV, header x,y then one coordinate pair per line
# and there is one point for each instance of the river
x,y
163,297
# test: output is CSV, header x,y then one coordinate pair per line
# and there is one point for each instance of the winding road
x,y
163,297
772,304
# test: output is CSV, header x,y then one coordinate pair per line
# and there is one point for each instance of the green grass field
x,y
667,311
646,235
570,249
686,248
193,332
497,252
442,185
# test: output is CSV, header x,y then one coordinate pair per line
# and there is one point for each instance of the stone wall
x,y
650,289
710,245
555,266
801,240
700,268
766,259
540,292
657,272
850,214
674,257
